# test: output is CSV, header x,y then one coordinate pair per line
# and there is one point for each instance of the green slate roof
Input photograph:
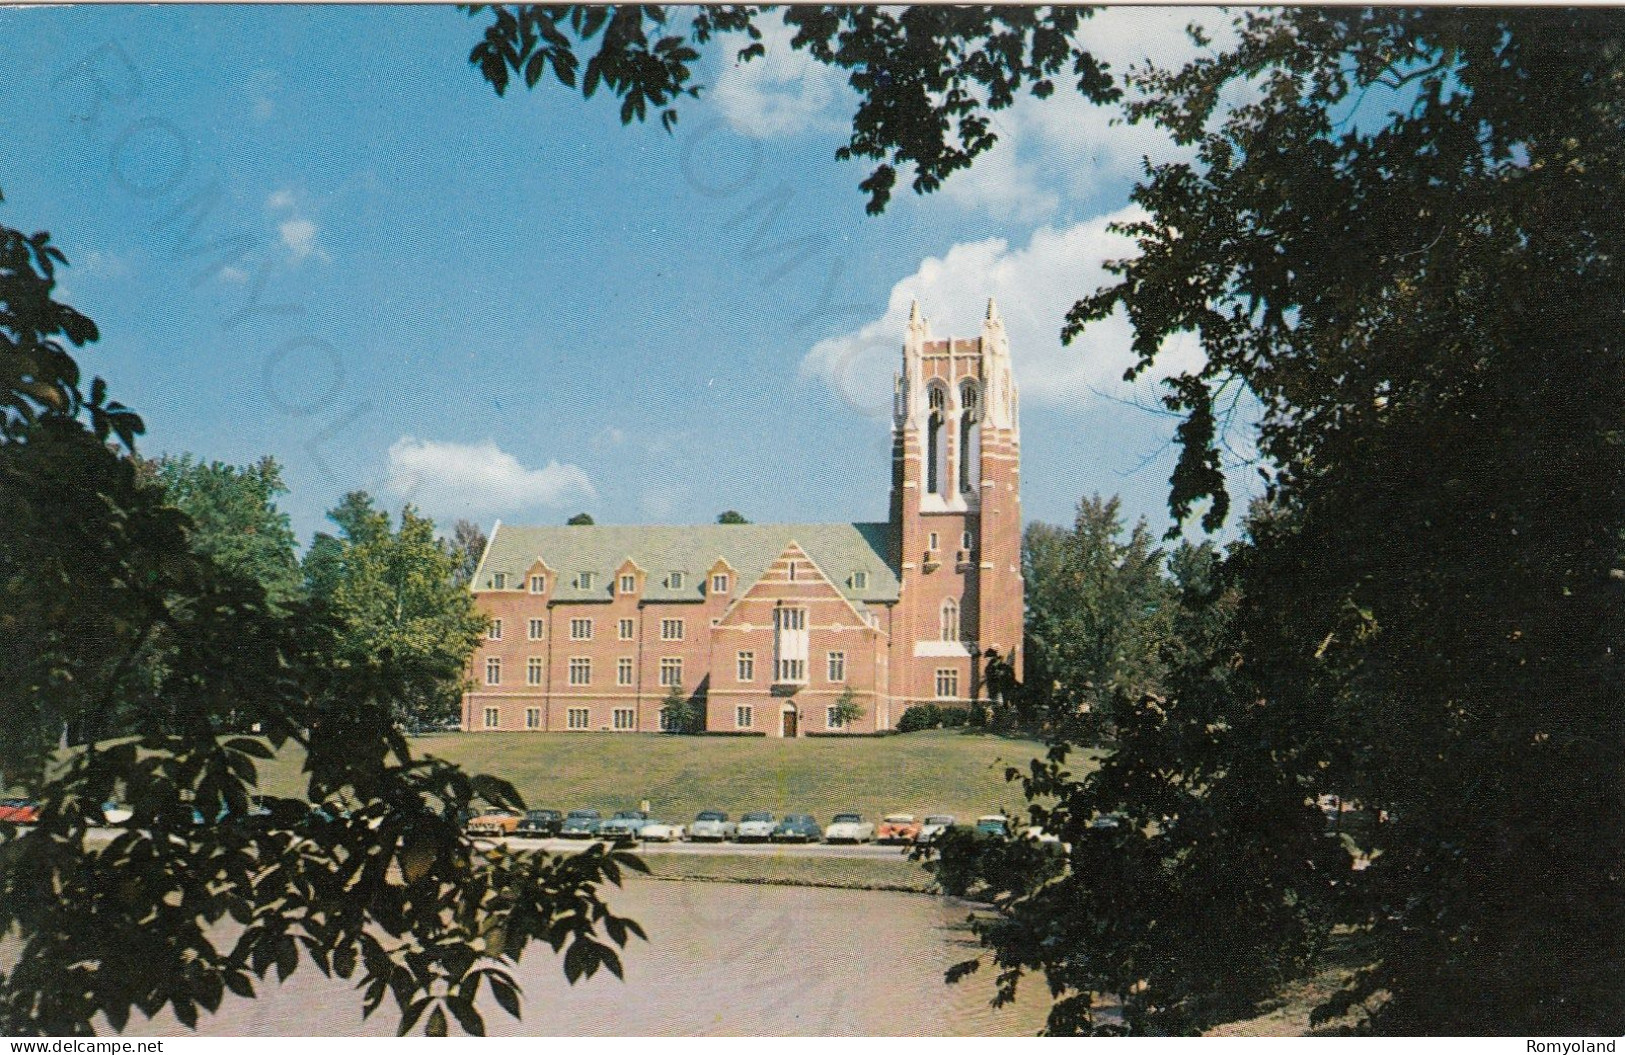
x,y
838,549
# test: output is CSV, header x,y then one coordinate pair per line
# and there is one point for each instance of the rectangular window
x,y
580,671
533,717
499,581
626,629
626,718
860,580
623,672
966,542
538,584
581,630
671,673
533,670
837,666
947,683
495,633
675,580
493,718
932,544
629,584
747,666
493,671
792,571
789,645
719,584
576,718
743,717
584,580
536,629
832,718
671,630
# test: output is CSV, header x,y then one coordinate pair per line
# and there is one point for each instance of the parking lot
x,y
860,850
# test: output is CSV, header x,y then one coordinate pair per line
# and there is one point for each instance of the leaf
x,y
506,993
436,1026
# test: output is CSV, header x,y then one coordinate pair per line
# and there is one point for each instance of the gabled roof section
x,y
749,549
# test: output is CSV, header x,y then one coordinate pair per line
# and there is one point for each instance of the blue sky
x,y
316,233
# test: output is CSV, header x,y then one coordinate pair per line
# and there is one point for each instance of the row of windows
x,y
625,718
967,541
791,619
671,669
628,583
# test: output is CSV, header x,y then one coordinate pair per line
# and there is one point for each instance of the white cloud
x,y
1035,286
783,92
280,199
235,275
299,235
478,479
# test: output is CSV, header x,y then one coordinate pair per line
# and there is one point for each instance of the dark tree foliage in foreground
x,y
105,603
1398,233
927,78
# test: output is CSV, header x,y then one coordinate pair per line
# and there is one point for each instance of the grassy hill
x,y
942,770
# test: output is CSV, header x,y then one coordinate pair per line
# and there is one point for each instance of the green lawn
x,y
927,772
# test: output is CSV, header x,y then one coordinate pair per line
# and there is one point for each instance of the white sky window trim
x,y
671,630
493,717
536,629
629,584
533,717
836,667
533,671
743,717
719,584
947,683
581,630
538,584
627,629
580,671
671,673
747,666
623,672
577,718
499,581
675,580
626,718
495,633
493,671
950,620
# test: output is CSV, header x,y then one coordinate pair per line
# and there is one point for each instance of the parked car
x,y
933,826
755,827
656,831
539,824
19,811
494,822
1107,822
996,824
897,828
581,824
624,825
711,826
797,828
849,828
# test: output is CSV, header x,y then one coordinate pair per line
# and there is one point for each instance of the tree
x,y
1402,246
1097,607
731,517
467,549
580,519
234,517
396,595
383,888
682,713
847,708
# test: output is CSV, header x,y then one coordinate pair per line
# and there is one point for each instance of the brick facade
x,y
768,625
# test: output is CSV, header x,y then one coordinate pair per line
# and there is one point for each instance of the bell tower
x,y
955,509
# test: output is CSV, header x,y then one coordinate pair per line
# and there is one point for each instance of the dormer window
x,y
499,581
584,580
538,584
860,580
675,580
629,584
719,584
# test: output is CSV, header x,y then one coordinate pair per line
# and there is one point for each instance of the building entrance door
x,y
789,723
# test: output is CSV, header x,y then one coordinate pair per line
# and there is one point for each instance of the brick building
x,y
769,624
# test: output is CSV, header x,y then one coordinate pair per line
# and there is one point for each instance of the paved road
x,y
861,850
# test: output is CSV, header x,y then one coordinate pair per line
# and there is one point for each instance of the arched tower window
x,y
970,438
950,620
936,454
